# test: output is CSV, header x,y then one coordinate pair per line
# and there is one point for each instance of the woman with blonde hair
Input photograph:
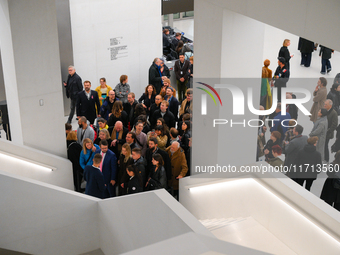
x,y
284,52
118,114
88,152
124,161
104,135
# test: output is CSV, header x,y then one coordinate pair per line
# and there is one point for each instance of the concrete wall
x,y
31,67
61,175
134,23
42,219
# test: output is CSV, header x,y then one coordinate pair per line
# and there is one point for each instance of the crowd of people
x,y
123,145
305,156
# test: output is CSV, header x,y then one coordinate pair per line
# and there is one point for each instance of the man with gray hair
x,y
332,119
179,167
155,75
73,87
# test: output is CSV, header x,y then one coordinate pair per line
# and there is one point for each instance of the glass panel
x,y
166,17
176,15
188,14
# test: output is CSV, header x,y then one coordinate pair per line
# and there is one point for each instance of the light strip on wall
x,y
28,162
218,185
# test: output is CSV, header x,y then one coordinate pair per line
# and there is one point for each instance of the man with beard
x,y
88,104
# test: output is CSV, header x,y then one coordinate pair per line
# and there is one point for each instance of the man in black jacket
x,y
155,75
182,76
156,106
173,102
140,163
332,119
164,113
88,103
106,109
73,87
306,48
153,149
129,107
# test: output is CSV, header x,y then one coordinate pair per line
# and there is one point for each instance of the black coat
x,y
88,107
166,72
127,108
73,154
306,46
293,111
154,108
307,162
168,117
284,53
158,179
325,53
173,106
283,74
134,186
141,165
330,194
147,101
155,78
185,140
106,108
123,177
73,86
334,96
113,119
269,146
166,159
182,72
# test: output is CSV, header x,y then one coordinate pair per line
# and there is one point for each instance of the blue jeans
x,y
325,65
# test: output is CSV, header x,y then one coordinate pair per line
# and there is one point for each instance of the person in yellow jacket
x,y
103,90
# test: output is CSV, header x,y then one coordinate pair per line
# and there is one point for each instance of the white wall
x,y
95,22
42,219
286,209
61,176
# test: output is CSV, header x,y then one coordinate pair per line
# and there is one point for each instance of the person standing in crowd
x,y
153,149
167,84
88,152
173,102
135,184
140,163
73,154
332,120
306,48
320,130
155,75
289,135
141,138
281,77
274,140
166,42
280,122
164,113
334,95
191,72
294,146
143,119
148,98
320,95
291,108
261,141
102,90
156,106
187,105
108,167
331,189
284,53
95,185
276,161
129,107
308,161
178,165
102,124
84,130
164,69
175,41
325,54
106,108
73,87
118,114
266,94
88,103
125,160
182,75
157,177
122,89
186,127
118,136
